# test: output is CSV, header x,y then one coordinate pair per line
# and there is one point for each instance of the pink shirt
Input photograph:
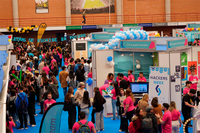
x,y
43,55
11,125
76,125
129,101
46,69
90,75
53,60
11,83
175,115
130,78
29,69
48,103
60,55
167,127
114,97
103,88
143,78
66,62
186,90
193,78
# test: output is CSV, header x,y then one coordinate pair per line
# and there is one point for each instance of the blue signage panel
x,y
145,24
138,44
177,43
89,27
135,28
102,36
193,25
111,30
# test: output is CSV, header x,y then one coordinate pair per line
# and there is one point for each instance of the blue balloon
x,y
89,81
109,59
106,44
110,47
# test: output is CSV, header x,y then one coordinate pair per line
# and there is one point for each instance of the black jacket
x,y
155,124
98,107
80,75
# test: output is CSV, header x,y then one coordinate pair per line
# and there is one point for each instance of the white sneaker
x,y
26,127
33,125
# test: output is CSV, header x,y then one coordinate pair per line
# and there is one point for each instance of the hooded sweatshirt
x,y
18,100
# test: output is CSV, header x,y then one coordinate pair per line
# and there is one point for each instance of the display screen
x,y
139,88
80,46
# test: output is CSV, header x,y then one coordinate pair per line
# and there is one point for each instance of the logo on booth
x,y
158,90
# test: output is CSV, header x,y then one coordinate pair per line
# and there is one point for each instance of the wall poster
x,y
92,6
41,6
192,65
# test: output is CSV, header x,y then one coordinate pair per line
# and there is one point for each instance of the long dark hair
x,y
137,113
98,98
68,95
115,84
86,98
71,74
154,102
44,78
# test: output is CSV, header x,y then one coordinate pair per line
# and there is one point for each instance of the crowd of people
x,y
33,81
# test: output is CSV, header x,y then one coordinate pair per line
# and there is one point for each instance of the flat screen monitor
x,y
139,87
80,46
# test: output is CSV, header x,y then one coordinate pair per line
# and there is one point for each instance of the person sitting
x,y
78,126
141,78
150,114
136,124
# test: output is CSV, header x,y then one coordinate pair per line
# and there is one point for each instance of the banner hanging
x,y
159,84
52,118
41,31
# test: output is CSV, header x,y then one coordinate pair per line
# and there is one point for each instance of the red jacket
x,y
135,126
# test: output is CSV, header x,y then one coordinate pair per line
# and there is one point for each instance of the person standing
x,y
194,80
85,104
109,79
166,120
123,83
45,68
22,107
63,79
84,20
115,93
48,102
176,117
150,114
77,65
70,106
143,103
80,77
187,105
79,94
187,88
98,107
157,109
76,127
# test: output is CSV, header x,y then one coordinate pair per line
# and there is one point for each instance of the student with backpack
x,y
11,105
53,89
22,107
71,66
149,122
72,79
83,126
136,124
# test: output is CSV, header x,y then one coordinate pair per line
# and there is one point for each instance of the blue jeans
x,y
114,108
86,110
65,91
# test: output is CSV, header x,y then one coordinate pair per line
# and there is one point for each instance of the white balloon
x,y
106,47
90,49
108,63
112,63
92,46
138,66
109,43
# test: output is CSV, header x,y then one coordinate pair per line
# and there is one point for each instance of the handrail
x,y
100,19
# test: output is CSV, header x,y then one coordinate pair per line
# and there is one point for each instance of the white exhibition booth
x,y
168,61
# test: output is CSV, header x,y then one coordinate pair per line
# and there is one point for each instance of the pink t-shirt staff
x,y
193,79
130,102
167,127
143,79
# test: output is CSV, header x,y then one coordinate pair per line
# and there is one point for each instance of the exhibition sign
x,y
111,30
177,43
41,6
104,36
52,119
138,44
159,84
129,25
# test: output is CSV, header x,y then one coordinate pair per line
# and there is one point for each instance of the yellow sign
x,y
41,31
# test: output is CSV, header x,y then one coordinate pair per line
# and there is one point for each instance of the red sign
x,y
199,57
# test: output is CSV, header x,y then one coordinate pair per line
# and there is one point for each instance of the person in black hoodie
x,y
123,82
31,105
80,73
150,114
70,106
98,107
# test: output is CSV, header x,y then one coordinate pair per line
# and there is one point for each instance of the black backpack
x,y
12,107
147,123
23,105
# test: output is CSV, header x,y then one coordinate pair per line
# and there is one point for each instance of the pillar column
x,y
168,10
119,11
68,12
15,13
